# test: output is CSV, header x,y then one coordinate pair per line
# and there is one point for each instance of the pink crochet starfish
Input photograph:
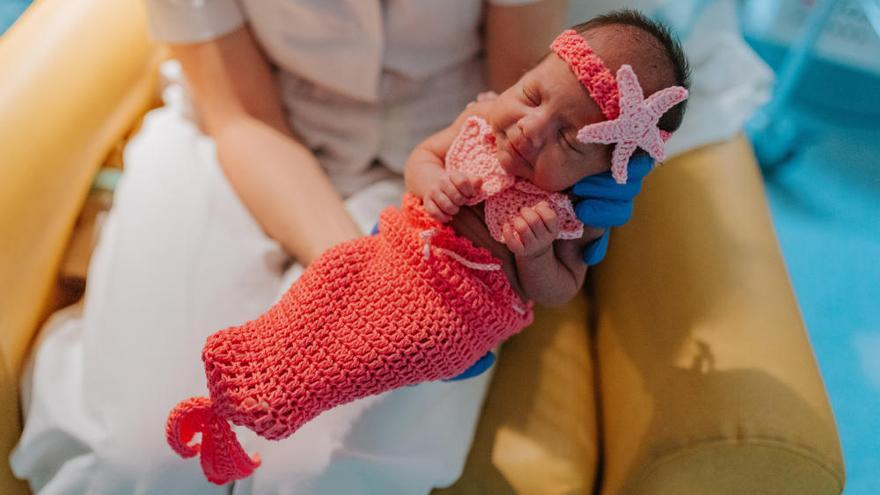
x,y
637,124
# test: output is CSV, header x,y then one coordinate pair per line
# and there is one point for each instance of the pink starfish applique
x,y
637,124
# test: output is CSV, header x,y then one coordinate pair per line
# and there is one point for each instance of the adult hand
x,y
604,203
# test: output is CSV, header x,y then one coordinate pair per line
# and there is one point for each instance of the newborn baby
x,y
542,132
485,230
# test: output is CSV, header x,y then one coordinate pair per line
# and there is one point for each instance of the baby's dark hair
x,y
669,45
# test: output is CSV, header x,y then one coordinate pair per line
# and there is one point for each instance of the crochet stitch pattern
x,y
473,153
414,303
589,69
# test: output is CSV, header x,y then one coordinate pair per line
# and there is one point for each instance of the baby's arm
x,y
550,271
442,192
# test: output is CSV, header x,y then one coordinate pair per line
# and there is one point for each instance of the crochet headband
x,y
632,119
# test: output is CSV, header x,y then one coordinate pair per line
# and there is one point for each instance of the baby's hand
x,y
531,233
444,199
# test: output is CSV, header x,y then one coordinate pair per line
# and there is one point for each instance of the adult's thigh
x,y
179,258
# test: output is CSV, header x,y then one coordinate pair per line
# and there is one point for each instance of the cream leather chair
x,y
684,369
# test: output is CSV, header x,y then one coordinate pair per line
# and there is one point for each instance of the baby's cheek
x,y
597,167
590,166
598,158
554,170
575,170
554,178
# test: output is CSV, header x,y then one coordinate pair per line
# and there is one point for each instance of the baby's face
x,y
536,122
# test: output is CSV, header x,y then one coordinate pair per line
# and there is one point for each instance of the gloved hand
x,y
476,369
604,203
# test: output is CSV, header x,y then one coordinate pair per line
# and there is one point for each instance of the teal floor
x,y
826,209
825,203
9,12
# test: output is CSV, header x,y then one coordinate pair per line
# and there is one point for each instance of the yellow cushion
x,y
707,378
537,432
73,83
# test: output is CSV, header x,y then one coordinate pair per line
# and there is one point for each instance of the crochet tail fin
x,y
223,459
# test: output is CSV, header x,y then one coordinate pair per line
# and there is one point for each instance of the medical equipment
x,y
844,35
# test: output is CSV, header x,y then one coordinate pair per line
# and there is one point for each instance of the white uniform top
x,y
363,81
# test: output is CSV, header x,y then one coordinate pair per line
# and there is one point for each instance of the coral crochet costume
x,y
415,303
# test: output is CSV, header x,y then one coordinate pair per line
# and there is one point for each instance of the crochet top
x,y
473,153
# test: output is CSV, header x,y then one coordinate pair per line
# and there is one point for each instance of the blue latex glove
x,y
604,203
477,368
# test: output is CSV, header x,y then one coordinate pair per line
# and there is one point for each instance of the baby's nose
x,y
534,132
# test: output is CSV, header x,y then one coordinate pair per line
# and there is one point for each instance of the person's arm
x,y
277,178
551,272
517,36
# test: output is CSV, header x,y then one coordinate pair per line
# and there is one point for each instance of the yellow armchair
x,y
75,75
684,369
704,377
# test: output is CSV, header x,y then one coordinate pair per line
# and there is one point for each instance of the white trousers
x,y
180,258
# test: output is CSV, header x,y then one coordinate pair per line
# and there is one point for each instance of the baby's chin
x,y
513,164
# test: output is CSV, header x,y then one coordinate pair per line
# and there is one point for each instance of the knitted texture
x,y
414,303
589,69
637,127
473,152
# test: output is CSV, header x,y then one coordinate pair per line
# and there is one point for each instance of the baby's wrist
x,y
537,255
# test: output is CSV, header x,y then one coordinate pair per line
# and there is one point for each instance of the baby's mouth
x,y
504,142
516,151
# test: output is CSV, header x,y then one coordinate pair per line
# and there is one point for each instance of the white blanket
x,y
180,258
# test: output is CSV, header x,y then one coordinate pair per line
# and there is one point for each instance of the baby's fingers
x,y
467,186
444,202
452,193
512,240
435,211
525,233
549,217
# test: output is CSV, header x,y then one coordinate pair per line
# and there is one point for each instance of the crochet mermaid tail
x,y
223,459
415,303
